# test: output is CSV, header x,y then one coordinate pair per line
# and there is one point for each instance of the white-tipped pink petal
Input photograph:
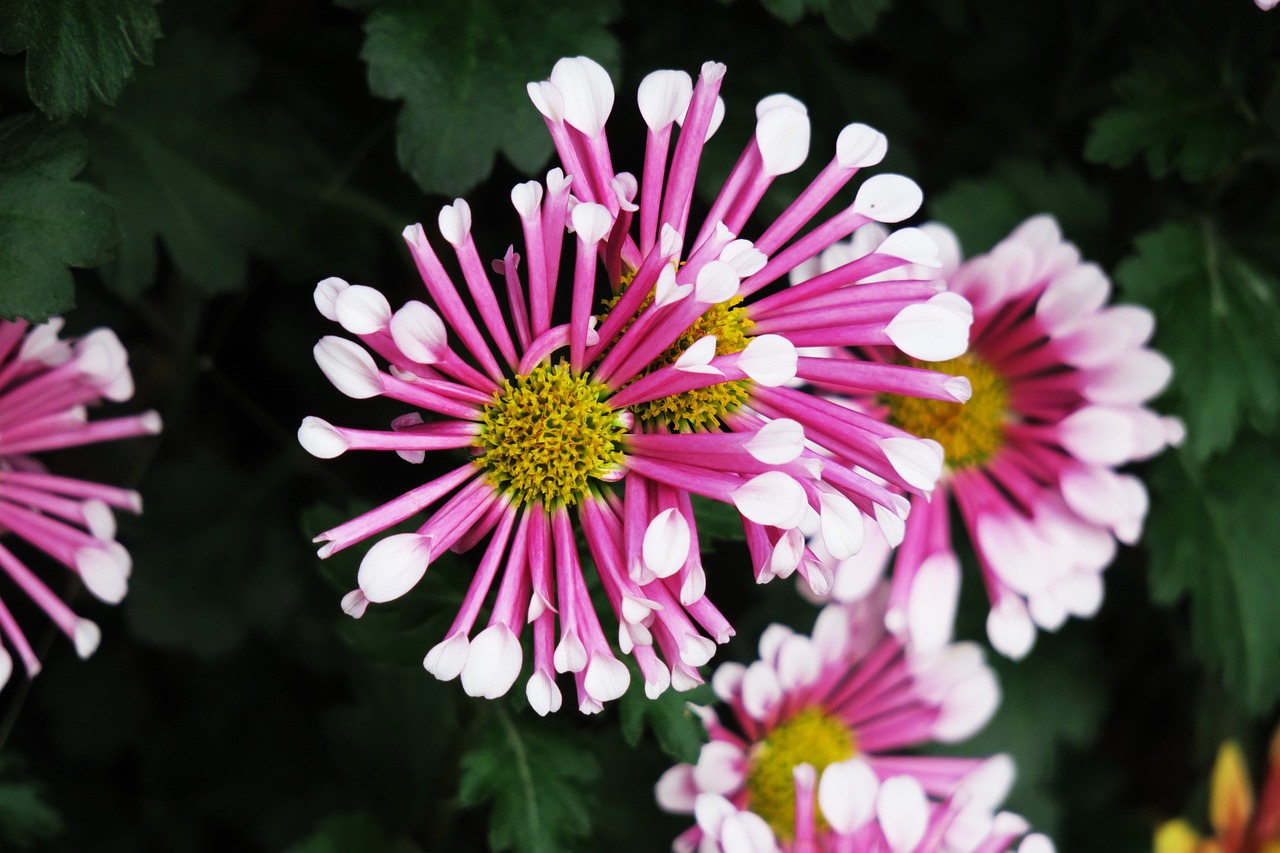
x,y
607,678
446,658
666,543
782,135
548,101
1037,843
362,310
934,330
587,92
743,257
676,790
349,367
717,282
570,654
1098,435
697,358
777,442
761,691
354,603
543,694
393,566
903,812
664,97
104,571
1010,629
772,498
493,662
841,525
770,360
931,603
747,832
720,769
859,146
968,706
526,197
1079,292
847,795
326,296
87,636
419,332
917,461
666,291
591,222
888,198
912,245
319,438
455,222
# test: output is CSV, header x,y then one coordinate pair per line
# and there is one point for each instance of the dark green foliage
x,y
678,730
78,48
48,220
461,69
25,817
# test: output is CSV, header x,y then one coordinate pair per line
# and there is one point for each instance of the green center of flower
x,y
546,433
810,737
971,432
702,408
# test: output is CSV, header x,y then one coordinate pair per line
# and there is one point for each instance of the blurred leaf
x,y
193,164
716,520
538,781
982,212
78,47
25,818
461,70
48,221
1217,317
1179,109
346,833
849,19
679,732
215,564
1206,542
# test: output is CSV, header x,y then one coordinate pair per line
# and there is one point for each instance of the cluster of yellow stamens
x,y
546,434
810,737
971,432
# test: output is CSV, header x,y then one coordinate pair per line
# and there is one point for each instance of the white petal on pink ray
x,y
903,812
526,197
666,291
543,694
666,543
419,332
770,360
747,832
105,571
493,662
934,330
591,222
917,461
587,92
743,257
354,603
548,100
716,282
841,525
777,442
912,245
1010,629
664,97
772,498
847,794
859,146
455,222
697,358
720,769
1099,435
86,637
888,198
570,654
798,664
319,438
1073,295
782,135
362,310
349,367
891,525
931,602
326,296
761,691
393,566
675,790
1132,378
968,706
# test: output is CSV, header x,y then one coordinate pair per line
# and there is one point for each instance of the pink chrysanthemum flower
x,y
675,389
832,714
46,385
1059,382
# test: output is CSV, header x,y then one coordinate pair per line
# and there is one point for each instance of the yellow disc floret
x,y
971,432
810,737
546,434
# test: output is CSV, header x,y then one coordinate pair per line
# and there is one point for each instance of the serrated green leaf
x,y
195,165
982,212
1179,110
461,70
537,780
679,732
1217,317
1207,537
48,221
78,48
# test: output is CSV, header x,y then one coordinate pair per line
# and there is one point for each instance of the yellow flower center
x,y
546,434
810,737
702,408
971,432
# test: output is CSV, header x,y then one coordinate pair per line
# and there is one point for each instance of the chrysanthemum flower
x,y
46,385
831,715
1059,381
1239,825
667,381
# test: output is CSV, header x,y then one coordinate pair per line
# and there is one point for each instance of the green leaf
x,y
25,818
345,833
1179,109
461,70
196,165
849,19
536,778
716,520
983,211
1207,535
76,48
48,221
1217,316
679,732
